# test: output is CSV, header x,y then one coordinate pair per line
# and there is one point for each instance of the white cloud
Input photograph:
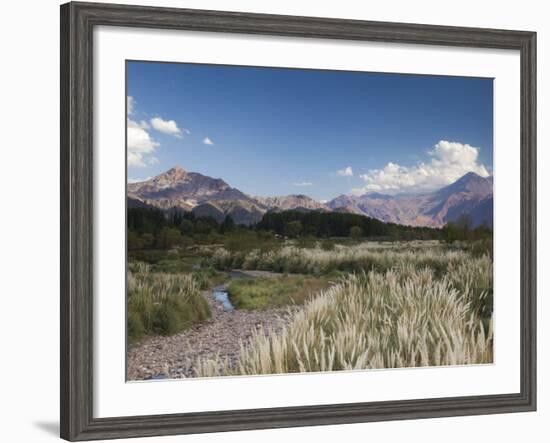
x,y
154,161
169,127
138,180
207,141
448,161
140,143
346,172
302,184
139,140
136,160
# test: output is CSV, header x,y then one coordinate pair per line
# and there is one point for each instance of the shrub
x,y
293,229
355,232
162,304
168,238
366,256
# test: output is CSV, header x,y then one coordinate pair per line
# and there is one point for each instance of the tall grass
x,y
371,320
162,304
362,257
262,293
474,277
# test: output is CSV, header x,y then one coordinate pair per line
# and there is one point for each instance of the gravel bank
x,y
173,357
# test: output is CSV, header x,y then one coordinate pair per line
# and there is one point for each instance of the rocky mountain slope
x,y
181,186
191,191
288,202
471,195
177,189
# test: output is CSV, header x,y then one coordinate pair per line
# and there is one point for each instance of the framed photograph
x,y
272,221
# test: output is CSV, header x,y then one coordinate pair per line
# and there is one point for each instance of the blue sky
x,y
274,131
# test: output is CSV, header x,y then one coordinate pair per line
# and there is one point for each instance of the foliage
x,y
168,238
335,224
150,228
228,225
271,292
366,256
355,232
293,229
248,240
462,230
366,304
155,229
162,304
482,247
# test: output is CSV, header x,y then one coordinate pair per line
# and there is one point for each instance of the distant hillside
x,y
298,201
471,195
177,189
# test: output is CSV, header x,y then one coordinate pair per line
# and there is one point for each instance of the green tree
x,y
168,237
450,232
133,240
293,229
206,225
148,240
464,225
355,232
228,224
186,227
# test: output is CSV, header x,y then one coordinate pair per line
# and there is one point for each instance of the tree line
x,y
463,230
151,228
293,224
154,228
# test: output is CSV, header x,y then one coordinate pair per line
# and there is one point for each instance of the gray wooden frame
x,y
77,23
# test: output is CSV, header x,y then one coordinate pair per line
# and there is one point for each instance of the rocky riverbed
x,y
173,356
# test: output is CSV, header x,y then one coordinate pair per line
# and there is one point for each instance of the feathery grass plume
x,y
162,304
365,256
372,320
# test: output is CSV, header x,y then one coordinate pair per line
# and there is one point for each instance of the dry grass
x,y
428,307
364,256
162,304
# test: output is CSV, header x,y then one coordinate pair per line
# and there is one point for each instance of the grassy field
x,y
271,292
365,256
371,320
393,305
162,304
364,304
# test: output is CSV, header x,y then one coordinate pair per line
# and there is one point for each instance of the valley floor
x,y
309,308
174,356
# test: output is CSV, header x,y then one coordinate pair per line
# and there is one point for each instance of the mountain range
x,y
177,189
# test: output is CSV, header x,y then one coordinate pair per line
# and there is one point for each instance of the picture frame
x,y
78,21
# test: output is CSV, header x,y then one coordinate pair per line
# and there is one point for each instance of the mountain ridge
x,y
178,189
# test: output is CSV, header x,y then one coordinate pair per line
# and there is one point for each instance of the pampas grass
x,y
400,308
162,304
364,256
